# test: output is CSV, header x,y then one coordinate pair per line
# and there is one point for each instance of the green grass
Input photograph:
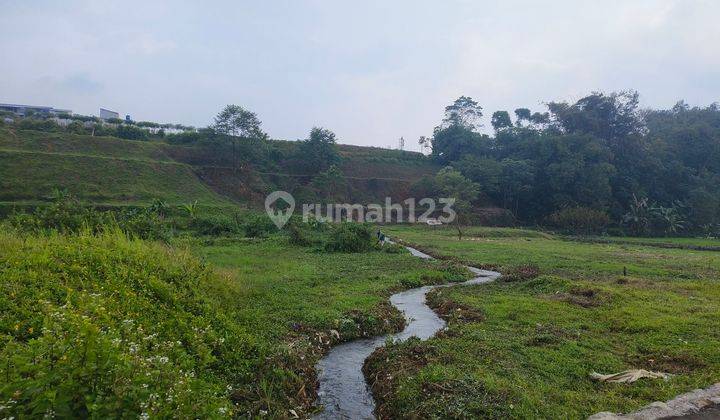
x,y
75,144
540,339
33,176
283,284
113,171
107,326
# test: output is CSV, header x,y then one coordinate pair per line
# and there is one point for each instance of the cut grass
x,y
531,355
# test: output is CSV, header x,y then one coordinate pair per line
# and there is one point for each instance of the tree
x,y
501,120
522,114
610,117
452,143
638,218
331,185
234,121
452,184
319,151
463,112
425,144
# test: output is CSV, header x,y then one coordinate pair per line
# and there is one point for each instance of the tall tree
x,y
452,184
501,120
425,144
463,112
236,122
319,151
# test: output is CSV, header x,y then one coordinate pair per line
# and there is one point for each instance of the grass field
x,y
538,341
108,326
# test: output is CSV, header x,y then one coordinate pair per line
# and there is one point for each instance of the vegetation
x,y
192,166
135,286
601,153
93,323
525,348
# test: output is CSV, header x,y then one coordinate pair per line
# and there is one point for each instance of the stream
x,y
343,391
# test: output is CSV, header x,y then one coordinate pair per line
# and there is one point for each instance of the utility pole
x,y
402,143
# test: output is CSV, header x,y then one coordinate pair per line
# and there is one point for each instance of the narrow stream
x,y
343,391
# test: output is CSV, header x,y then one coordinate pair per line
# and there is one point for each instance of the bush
x,y
299,235
109,327
129,132
143,223
215,225
394,249
67,215
257,225
579,220
351,237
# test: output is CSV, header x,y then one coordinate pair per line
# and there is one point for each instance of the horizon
x,y
385,74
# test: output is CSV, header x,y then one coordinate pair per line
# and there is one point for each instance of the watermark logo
x,y
279,206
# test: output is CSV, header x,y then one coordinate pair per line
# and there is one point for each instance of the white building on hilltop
x,y
106,114
25,110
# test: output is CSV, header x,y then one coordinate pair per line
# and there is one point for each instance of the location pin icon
x,y
279,217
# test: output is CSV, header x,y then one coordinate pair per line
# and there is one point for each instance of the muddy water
x,y
343,392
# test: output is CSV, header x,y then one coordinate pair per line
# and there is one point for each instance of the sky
x,y
371,71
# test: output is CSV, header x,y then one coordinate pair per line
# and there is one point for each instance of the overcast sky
x,y
371,71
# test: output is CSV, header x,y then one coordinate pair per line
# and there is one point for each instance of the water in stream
x,y
343,392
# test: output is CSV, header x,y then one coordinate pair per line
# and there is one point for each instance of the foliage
x,y
216,225
191,209
319,151
597,153
501,120
129,132
463,112
237,121
452,184
66,215
351,237
257,225
330,185
579,220
104,326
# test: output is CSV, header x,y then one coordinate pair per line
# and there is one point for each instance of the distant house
x,y
24,110
106,114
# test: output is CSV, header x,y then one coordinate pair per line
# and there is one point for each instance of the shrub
x,y
129,132
579,220
65,215
394,249
257,225
143,223
351,237
215,225
298,234
108,327
68,216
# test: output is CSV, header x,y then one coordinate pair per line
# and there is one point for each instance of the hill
x,y
112,171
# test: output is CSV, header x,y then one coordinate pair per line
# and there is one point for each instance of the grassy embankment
x,y
107,326
110,171
525,349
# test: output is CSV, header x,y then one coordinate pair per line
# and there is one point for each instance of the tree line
x,y
599,163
